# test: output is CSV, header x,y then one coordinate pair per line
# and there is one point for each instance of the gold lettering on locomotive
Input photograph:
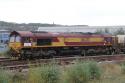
x,y
84,39
96,39
73,39
92,39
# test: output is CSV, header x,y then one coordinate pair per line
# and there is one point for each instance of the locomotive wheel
x,y
48,54
110,52
91,52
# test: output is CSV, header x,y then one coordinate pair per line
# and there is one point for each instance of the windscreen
x,y
17,39
12,38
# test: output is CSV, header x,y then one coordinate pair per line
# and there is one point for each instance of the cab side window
x,y
17,39
26,40
44,41
12,38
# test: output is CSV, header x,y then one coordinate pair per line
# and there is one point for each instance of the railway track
x,y
4,58
16,64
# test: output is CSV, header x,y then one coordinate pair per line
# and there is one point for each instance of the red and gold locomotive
x,y
28,44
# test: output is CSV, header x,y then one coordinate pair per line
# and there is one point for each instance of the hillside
x,y
28,27
23,26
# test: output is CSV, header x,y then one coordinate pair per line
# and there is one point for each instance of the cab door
x,y
15,42
27,41
12,41
18,41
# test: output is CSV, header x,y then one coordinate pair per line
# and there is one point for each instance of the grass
x,y
45,74
80,72
5,53
123,67
4,77
112,73
94,70
76,74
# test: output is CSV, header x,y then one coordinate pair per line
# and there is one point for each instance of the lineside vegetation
x,y
80,72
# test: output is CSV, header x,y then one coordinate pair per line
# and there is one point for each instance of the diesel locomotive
x,y
29,44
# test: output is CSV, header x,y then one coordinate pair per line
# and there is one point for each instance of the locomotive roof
x,y
23,33
51,34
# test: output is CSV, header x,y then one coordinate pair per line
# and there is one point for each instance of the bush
x,y
34,75
95,71
82,72
45,74
78,73
5,53
4,77
18,77
123,68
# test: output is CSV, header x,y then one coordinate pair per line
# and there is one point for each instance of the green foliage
x,y
18,77
24,26
95,71
120,31
106,30
45,74
123,68
4,77
82,72
78,73
6,53
99,31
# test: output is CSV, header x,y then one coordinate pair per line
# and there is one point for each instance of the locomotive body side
x,y
26,44
64,40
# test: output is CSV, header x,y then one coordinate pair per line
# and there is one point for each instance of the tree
x,y
98,31
106,30
120,31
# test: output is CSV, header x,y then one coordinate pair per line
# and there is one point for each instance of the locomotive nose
x,y
11,45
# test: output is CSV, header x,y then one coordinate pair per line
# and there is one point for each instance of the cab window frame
x,y
44,41
12,40
19,38
26,40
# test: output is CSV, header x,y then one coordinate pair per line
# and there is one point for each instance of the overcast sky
x,y
71,12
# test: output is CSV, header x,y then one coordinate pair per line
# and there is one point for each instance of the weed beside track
x,y
15,64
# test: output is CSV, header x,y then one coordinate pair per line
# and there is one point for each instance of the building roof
x,y
4,31
83,29
65,29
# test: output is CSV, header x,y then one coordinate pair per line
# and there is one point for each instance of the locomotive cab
x,y
19,39
26,41
15,41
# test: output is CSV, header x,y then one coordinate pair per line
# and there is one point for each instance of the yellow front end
x,y
15,47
